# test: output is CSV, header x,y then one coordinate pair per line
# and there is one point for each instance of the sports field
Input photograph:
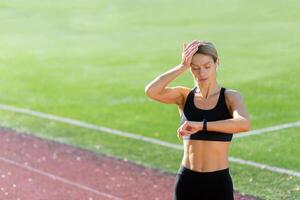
x,y
90,61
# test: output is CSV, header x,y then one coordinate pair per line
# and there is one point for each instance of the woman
x,y
210,114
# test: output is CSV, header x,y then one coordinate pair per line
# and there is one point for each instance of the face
x,y
204,69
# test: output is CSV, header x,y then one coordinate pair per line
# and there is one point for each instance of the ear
x,y
218,63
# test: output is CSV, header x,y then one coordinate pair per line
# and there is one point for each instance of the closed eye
x,y
194,68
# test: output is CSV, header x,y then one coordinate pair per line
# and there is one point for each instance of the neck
x,y
208,90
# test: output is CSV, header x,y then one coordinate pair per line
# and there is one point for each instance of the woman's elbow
x,y
147,90
149,93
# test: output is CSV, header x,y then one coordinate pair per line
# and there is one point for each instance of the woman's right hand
x,y
188,52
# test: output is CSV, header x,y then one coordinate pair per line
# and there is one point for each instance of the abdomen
x,y
205,155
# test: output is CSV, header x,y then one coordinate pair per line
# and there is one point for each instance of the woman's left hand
x,y
188,128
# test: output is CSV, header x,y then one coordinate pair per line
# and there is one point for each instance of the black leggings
x,y
193,185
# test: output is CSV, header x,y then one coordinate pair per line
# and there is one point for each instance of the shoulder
x,y
233,96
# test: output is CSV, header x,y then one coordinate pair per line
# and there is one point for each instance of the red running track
x,y
35,169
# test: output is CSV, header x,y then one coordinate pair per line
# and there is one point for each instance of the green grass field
x,y
90,61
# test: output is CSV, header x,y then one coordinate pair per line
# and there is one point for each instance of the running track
x,y
37,169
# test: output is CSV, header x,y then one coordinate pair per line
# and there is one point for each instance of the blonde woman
x,y
210,115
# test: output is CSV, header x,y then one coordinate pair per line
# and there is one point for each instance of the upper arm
x,y
237,106
170,95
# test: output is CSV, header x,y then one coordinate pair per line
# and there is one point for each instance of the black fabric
x,y
193,185
219,112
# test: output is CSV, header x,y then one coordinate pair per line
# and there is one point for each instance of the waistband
x,y
186,171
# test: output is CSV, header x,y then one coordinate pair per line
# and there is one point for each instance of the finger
x,y
192,43
191,53
179,136
186,132
192,46
188,58
185,125
178,131
188,128
181,131
188,52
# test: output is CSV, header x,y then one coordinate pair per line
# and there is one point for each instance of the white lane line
x,y
268,129
87,125
264,166
134,136
63,180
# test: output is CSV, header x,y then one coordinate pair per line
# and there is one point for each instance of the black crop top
x,y
219,112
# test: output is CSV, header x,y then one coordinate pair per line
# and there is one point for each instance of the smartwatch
x,y
204,125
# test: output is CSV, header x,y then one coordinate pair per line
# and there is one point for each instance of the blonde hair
x,y
209,49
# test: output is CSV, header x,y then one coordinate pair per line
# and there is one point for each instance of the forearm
x,y
234,125
161,82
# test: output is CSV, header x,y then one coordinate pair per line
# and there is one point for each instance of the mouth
x,y
202,79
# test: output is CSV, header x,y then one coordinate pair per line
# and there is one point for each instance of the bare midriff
x,y
205,156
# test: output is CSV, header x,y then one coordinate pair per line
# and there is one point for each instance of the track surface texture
x,y
38,169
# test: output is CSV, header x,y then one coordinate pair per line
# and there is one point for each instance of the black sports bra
x,y
219,112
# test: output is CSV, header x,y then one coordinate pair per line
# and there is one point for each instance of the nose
x,y
200,71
